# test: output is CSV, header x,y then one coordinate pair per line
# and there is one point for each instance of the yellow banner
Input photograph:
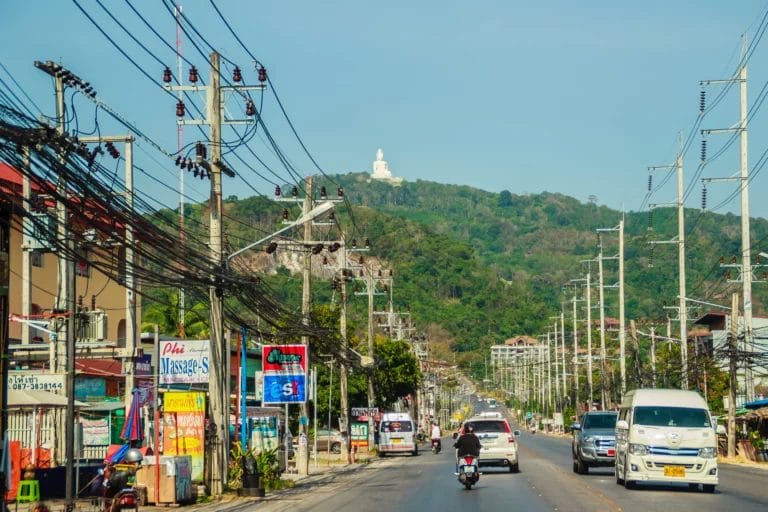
x,y
183,402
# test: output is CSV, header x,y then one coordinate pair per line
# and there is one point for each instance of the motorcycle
x,y
116,486
468,471
436,446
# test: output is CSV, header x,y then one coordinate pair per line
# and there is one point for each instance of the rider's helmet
x,y
469,428
133,456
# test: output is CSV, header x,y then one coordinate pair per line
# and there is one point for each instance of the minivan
x,y
665,435
397,434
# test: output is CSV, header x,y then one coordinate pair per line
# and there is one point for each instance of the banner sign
x,y
184,427
365,411
184,362
281,389
25,381
95,432
284,358
359,435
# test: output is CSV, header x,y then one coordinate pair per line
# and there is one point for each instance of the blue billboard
x,y
285,388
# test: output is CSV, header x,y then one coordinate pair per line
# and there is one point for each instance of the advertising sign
x,y
25,381
280,389
284,358
95,432
359,435
184,427
184,362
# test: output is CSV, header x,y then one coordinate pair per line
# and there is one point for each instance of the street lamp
x,y
308,217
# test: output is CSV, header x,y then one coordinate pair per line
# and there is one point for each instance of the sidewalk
x,y
318,475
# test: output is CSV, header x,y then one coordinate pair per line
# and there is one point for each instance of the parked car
x,y
594,441
328,440
499,447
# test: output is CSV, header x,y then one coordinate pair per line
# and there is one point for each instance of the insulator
x,y
189,163
236,75
180,109
272,247
178,160
332,216
367,243
728,275
703,150
167,76
262,74
334,247
278,191
757,259
361,260
386,287
733,259
203,174
361,273
354,243
650,257
294,191
199,149
196,172
316,249
193,74
722,260
323,192
379,272
285,213
650,220
702,101
93,302
250,109
764,276
340,192
325,260
391,272
183,163
704,198
650,182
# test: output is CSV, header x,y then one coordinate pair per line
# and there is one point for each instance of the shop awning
x,y
756,404
27,398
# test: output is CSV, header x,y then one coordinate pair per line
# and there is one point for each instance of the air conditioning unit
x,y
43,235
93,326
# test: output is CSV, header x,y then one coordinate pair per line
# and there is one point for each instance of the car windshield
x,y
599,421
488,426
662,416
396,426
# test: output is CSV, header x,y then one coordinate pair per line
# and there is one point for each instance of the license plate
x,y
611,453
676,471
397,441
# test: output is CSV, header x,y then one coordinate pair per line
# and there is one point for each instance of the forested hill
x,y
537,242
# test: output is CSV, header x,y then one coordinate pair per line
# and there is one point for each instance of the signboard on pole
x,y
184,427
184,362
284,374
359,434
25,381
284,359
285,389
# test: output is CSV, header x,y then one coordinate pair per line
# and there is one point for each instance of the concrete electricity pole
x,y
622,324
732,344
302,458
601,291
589,338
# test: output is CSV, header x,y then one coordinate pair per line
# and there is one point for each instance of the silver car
x,y
594,441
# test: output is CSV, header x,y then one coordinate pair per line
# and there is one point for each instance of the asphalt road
x,y
546,482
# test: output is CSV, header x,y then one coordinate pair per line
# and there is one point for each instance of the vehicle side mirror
x,y
576,426
720,430
455,435
516,433
622,425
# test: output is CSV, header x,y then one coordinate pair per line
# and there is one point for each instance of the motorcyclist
x,y
467,443
436,435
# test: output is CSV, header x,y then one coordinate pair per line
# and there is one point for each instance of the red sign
x,y
284,358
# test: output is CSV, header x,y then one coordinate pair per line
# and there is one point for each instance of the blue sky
x,y
559,96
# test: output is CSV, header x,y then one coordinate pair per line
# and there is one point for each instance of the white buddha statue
x,y
380,167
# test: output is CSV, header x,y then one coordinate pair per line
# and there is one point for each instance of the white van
x,y
665,435
397,434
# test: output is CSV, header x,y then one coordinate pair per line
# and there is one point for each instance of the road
x,y
426,483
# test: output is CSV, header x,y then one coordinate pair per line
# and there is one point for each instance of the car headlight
x,y
708,453
588,440
638,449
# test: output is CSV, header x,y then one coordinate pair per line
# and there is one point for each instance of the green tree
x,y
505,198
161,307
397,371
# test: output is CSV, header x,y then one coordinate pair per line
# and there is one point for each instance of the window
x,y
37,259
489,426
606,421
662,416
396,426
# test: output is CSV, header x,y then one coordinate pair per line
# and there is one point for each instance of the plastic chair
x,y
29,491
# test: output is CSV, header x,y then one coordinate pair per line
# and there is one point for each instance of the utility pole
x,y
603,367
302,459
218,435
589,338
562,344
343,377
732,343
653,356
371,354
622,325
557,374
575,360
549,377
746,264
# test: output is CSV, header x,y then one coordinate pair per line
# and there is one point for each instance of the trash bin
x,y
250,477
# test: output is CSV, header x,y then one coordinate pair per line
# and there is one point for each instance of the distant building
x,y
381,170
